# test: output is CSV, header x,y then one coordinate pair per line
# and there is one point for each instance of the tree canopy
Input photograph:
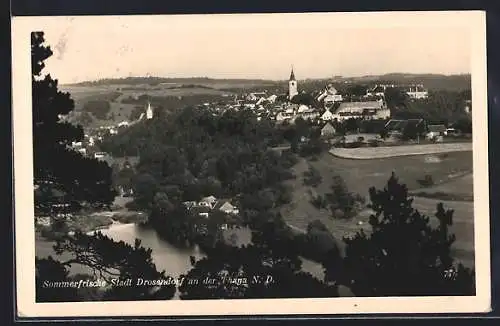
x,y
404,254
80,179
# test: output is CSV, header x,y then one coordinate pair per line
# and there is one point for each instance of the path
x,y
366,153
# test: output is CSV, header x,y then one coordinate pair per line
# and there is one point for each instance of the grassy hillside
x,y
359,175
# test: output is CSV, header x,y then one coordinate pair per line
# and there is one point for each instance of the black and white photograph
x,y
317,163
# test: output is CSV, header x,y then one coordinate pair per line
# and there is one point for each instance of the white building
x,y
364,110
302,108
327,115
149,112
272,98
417,92
309,114
329,96
256,95
378,90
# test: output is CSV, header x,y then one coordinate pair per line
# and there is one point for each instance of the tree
x,y
404,255
64,176
342,203
351,125
47,271
312,177
384,133
395,97
269,268
106,260
463,125
80,179
304,99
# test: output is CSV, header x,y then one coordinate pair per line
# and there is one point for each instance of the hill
x,y
430,81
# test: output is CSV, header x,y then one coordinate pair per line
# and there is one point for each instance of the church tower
x,y
292,86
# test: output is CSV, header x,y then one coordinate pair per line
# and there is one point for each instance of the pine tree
x,y
56,166
404,255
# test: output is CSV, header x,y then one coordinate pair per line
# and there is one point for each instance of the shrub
x,y
319,202
338,213
312,177
427,181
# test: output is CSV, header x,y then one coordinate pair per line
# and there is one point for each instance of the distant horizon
x,y
266,80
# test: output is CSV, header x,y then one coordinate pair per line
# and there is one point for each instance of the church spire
x,y
292,75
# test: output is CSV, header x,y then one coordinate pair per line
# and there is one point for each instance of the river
x,y
173,260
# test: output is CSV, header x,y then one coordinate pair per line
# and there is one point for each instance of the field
x,y
121,111
446,170
460,189
167,95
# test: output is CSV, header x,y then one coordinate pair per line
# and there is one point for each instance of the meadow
x,y
447,170
118,97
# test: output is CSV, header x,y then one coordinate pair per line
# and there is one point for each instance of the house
x,y
327,115
377,90
201,211
398,126
82,151
364,110
190,204
255,96
328,130
226,207
417,92
272,98
434,131
302,108
209,201
100,155
308,114
262,100
329,96
283,115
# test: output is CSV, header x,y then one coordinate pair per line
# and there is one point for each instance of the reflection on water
x,y
173,260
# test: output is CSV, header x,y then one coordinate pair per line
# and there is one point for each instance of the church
x,y
292,86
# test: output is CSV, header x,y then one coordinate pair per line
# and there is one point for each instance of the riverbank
x,y
368,153
89,223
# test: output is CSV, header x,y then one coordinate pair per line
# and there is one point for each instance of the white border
x,y
24,210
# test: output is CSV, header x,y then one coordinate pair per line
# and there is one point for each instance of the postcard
x,y
251,164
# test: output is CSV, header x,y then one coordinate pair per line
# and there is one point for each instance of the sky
x,y
255,46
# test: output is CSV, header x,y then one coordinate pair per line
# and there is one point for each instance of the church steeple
x,y
292,86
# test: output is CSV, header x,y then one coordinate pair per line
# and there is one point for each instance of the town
x,y
304,182
326,108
